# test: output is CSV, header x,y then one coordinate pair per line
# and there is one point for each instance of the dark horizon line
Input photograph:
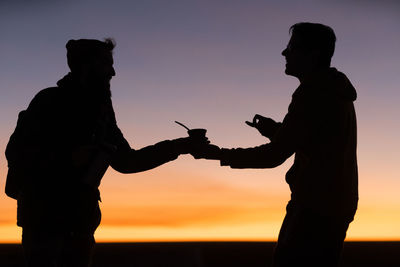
x,y
212,242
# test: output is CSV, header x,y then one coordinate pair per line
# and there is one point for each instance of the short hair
x,y
316,36
85,50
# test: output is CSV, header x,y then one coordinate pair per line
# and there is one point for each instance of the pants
x,y
308,238
56,248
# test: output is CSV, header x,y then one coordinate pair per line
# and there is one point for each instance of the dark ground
x,y
213,254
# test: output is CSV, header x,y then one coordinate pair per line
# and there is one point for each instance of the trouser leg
x,y
309,239
40,248
47,248
78,250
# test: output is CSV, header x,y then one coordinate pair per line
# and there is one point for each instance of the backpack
x,y
15,175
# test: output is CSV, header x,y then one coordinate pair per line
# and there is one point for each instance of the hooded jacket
x,y
320,129
51,187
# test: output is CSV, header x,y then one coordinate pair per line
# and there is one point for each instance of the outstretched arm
x,y
286,138
129,160
264,156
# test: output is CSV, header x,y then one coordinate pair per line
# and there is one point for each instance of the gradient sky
x,y
210,64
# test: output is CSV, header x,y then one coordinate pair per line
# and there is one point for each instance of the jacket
x,y
320,129
48,174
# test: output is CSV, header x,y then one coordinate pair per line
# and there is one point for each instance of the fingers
x,y
198,142
256,121
251,124
258,118
206,152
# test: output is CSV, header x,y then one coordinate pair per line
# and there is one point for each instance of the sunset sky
x,y
210,64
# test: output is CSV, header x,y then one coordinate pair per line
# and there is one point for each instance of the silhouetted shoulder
x,y
333,85
46,97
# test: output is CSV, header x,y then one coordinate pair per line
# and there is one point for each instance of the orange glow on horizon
x,y
164,205
221,214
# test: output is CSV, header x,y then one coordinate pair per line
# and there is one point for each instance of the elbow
x,y
277,162
123,162
120,169
125,170
263,162
277,158
123,167
255,164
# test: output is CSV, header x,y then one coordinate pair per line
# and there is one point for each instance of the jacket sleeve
x,y
290,136
128,160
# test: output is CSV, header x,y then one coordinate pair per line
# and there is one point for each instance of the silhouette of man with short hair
x,y
62,146
320,129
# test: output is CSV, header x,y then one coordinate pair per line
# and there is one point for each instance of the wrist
x,y
179,146
223,157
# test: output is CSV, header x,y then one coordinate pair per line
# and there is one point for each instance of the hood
x,y
333,83
341,85
95,91
68,81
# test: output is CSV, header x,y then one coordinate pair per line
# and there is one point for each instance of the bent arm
x,y
290,135
264,156
129,160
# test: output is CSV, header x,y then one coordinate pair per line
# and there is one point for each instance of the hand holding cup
x,y
197,138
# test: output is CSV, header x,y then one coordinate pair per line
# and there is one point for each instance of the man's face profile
x,y
299,60
99,71
101,67
294,56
